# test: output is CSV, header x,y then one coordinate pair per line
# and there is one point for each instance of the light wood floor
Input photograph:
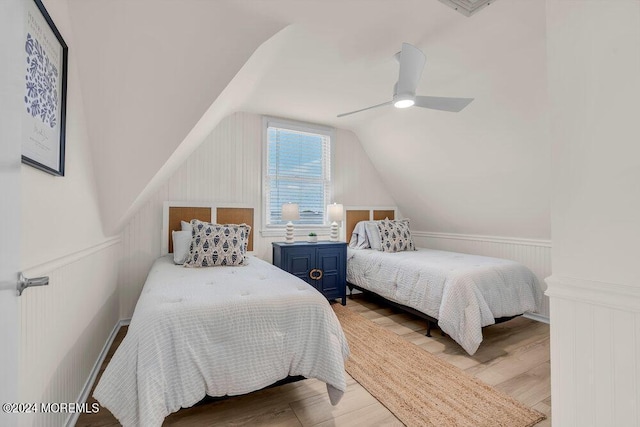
x,y
514,358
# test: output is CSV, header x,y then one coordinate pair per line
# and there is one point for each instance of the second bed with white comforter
x,y
463,292
219,331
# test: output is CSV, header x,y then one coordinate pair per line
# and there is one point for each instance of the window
x,y
297,170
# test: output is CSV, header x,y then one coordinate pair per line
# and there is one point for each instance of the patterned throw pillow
x,y
395,236
215,244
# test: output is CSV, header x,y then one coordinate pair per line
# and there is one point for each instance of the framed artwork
x,y
45,91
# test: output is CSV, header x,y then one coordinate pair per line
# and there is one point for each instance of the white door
x,y
11,81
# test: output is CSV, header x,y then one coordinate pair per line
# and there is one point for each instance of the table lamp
x,y
335,213
290,212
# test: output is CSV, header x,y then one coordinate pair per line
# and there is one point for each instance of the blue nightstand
x,y
323,265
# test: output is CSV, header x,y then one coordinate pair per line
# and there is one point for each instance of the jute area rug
x,y
419,388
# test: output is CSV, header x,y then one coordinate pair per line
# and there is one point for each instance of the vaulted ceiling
x,y
158,75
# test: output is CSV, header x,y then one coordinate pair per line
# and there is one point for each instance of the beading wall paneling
x,y
64,326
227,168
355,181
141,245
535,254
595,349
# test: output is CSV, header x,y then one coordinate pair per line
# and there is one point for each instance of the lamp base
x,y
289,233
334,232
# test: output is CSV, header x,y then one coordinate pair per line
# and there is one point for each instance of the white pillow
x,y
186,226
181,245
366,235
359,237
373,235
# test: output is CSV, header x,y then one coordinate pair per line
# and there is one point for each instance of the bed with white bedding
x,y
462,292
219,331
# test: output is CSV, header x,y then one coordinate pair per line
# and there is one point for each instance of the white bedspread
x,y
219,331
464,292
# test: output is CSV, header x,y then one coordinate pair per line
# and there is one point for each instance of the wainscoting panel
x,y
535,254
595,349
64,326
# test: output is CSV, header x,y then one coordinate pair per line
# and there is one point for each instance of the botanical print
x,y
44,91
41,96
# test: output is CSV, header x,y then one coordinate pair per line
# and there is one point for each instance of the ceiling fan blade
x,y
365,109
444,104
412,62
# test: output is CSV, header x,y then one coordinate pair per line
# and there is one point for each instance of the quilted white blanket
x,y
464,292
219,331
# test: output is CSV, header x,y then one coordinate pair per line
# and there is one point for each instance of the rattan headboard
x,y
174,212
354,215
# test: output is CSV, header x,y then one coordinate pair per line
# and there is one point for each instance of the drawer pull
x,y
315,274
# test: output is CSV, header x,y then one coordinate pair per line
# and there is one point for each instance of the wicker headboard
x,y
174,212
357,214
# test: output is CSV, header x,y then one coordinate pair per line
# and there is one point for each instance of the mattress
x,y
464,292
219,331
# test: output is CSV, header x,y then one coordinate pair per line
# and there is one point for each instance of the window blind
x,y
298,171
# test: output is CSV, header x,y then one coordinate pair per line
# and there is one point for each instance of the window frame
x,y
277,230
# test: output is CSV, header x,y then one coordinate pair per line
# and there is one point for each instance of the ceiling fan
x,y
412,62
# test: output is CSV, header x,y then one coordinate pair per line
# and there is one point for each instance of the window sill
x,y
320,230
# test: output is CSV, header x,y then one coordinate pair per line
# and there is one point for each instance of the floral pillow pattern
x,y
218,245
395,236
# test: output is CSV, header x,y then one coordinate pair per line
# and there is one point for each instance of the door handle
x,y
315,274
24,283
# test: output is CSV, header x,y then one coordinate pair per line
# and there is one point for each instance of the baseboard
x,y
537,317
84,394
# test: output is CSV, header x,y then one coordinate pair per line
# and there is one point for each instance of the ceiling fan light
x,y
404,103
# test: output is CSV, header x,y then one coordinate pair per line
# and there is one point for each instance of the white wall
x,y
485,170
594,80
227,168
64,325
355,181
11,104
150,70
61,215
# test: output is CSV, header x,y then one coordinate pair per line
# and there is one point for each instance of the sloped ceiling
x,y
481,171
149,70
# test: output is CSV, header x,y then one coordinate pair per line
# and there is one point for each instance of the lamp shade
x,y
290,212
335,212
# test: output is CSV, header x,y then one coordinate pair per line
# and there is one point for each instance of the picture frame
x,y
45,92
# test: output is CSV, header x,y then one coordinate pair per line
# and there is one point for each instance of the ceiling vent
x,y
467,7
